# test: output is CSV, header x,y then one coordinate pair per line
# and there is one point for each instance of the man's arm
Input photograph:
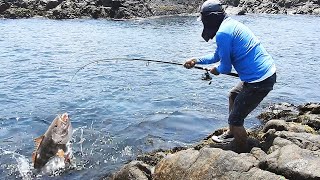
x,y
224,46
209,59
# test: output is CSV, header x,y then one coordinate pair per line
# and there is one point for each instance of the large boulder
x,y
210,163
303,140
293,162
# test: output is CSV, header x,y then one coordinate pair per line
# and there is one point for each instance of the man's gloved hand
x,y
214,71
190,63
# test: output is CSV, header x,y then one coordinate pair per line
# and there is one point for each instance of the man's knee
x,y
232,96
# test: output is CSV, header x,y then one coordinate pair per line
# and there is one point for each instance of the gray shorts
x,y
246,97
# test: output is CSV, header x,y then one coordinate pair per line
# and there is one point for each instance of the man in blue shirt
x,y
239,48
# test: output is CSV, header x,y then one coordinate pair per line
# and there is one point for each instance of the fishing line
x,y
205,77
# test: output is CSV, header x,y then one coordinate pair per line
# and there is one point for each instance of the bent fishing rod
x,y
207,75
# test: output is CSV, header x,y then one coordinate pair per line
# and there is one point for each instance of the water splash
x,y
21,168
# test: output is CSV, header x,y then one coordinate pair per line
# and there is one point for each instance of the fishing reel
x,y
206,76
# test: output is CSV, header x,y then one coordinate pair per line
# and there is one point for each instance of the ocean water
x,y
121,108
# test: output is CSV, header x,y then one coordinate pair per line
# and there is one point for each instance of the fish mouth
x,y
64,118
65,125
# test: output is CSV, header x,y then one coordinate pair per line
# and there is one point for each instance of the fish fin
x,y
37,141
34,157
60,153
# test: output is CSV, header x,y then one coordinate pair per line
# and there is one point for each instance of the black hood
x,y
211,24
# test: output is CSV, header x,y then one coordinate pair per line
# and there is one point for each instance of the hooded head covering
x,y
212,15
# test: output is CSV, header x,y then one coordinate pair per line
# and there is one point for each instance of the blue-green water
x,y
121,109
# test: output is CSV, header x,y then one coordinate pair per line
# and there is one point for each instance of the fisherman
x,y
239,48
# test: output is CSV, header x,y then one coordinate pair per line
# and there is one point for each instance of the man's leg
x,y
245,102
239,133
244,98
232,96
240,137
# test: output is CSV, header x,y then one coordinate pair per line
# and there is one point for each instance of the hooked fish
x,y
54,142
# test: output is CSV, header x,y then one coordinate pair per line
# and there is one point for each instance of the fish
x,y
54,142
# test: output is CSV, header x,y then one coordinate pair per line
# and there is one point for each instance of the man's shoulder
x,y
227,26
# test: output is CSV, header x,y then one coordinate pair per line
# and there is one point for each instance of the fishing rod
x,y
206,75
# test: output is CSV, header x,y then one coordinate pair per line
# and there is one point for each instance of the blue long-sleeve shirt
x,y
237,46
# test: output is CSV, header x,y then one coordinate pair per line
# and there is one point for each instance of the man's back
x,y
238,45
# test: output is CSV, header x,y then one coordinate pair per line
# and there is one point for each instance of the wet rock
x,y
50,4
4,6
313,108
135,170
151,158
293,162
283,111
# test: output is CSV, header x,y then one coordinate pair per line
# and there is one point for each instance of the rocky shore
x,y
287,146
127,9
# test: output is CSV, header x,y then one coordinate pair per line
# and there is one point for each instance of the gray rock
x,y
258,153
312,120
281,125
50,4
18,13
231,10
210,163
314,108
254,174
293,162
299,128
303,140
4,6
283,111
278,143
278,125
135,170
316,11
